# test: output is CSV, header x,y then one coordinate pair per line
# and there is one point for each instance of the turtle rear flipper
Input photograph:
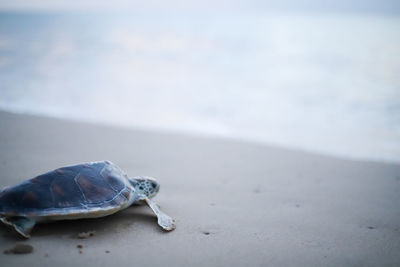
x,y
22,225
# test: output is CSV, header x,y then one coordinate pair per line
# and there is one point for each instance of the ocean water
x,y
319,82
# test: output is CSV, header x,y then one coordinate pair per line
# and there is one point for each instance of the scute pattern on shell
x,y
80,187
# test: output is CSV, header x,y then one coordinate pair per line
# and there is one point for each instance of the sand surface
x,y
235,204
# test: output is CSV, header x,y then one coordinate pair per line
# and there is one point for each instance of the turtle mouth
x,y
156,187
154,190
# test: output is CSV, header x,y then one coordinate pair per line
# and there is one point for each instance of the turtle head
x,y
145,186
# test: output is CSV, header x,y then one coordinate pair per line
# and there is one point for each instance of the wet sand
x,y
235,203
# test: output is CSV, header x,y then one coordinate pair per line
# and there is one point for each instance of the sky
x,y
337,6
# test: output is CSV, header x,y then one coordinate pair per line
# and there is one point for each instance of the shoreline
x,y
235,203
199,135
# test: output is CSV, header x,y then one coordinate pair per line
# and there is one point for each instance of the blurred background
x,y
321,76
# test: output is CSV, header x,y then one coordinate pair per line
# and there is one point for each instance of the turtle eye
x,y
153,185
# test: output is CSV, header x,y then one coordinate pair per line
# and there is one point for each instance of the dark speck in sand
x,y
256,190
206,232
19,248
371,227
297,206
79,246
107,251
84,235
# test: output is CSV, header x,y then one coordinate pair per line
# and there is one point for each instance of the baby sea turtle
x,y
88,190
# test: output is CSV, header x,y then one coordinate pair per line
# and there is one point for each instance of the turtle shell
x,y
77,189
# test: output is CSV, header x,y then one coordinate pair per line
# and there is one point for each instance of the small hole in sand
x,y
206,233
256,191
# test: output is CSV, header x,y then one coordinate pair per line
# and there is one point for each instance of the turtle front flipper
x,y
22,225
166,222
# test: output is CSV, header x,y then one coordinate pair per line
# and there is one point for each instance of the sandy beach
x,y
235,203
